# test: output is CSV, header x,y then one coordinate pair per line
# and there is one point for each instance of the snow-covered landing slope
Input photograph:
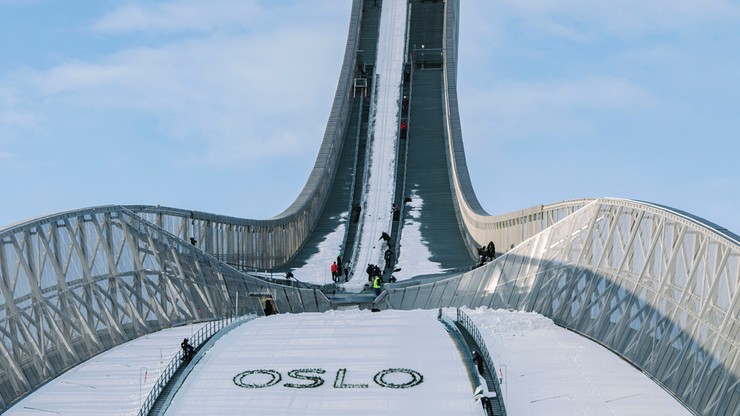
x,y
113,383
334,363
550,371
546,370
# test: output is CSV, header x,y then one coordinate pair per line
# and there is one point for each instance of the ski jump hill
x,y
655,285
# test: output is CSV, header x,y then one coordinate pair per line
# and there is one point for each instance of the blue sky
x,y
221,106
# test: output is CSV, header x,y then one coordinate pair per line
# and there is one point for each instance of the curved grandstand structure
x,y
655,285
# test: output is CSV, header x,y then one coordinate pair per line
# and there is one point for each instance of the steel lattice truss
x,y
243,243
78,283
659,289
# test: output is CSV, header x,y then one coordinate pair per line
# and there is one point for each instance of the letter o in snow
x,y
275,378
416,378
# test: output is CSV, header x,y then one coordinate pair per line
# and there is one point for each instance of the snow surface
x,y
115,382
546,370
415,258
361,342
379,188
317,269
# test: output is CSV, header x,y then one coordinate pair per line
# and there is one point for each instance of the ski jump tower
x,y
656,285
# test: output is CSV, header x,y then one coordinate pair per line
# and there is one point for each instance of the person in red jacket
x,y
334,272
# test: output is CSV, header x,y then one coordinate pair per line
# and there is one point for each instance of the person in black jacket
x,y
478,361
187,350
491,251
387,238
356,210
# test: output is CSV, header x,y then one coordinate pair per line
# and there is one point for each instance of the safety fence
x,y
197,340
467,323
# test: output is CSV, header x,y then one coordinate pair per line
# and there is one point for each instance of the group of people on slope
x,y
395,212
375,277
337,271
374,273
486,254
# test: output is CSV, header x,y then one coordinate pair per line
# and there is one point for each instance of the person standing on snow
x,y
188,351
334,272
377,282
356,210
387,238
478,360
388,256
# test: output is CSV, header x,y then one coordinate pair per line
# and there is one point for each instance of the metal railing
x,y
197,340
469,325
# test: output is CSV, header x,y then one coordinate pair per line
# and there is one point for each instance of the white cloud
x,y
13,114
564,96
517,109
639,90
6,156
582,20
181,15
218,15
249,95
12,120
22,2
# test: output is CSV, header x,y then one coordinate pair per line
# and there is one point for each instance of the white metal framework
x,y
75,284
657,288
